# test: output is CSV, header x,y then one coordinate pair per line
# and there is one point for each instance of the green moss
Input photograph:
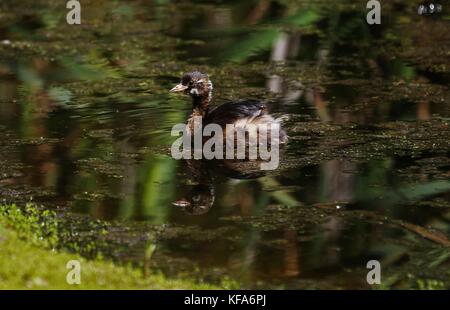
x,y
26,262
33,223
25,266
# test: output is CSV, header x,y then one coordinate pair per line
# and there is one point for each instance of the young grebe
x,y
239,113
201,196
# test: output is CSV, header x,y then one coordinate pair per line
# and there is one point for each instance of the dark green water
x,y
86,115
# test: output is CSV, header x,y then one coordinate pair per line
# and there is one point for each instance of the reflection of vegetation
x,y
94,67
275,189
263,39
157,188
61,95
408,193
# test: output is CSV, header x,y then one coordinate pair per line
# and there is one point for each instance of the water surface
x,y
86,116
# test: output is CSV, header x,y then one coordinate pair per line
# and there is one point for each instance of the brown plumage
x,y
239,113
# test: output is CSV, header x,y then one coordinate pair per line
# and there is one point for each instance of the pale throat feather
x,y
200,108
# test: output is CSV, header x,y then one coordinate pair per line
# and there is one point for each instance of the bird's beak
x,y
178,88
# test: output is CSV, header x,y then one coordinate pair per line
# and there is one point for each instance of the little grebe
x,y
240,113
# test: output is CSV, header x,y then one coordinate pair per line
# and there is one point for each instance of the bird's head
x,y
196,84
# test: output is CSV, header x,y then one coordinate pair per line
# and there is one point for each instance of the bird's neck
x,y
200,105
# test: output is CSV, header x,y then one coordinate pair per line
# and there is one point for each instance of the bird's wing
x,y
230,112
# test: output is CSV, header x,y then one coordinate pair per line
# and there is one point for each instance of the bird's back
x,y
232,112
242,113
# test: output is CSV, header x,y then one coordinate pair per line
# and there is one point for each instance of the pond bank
x,y
27,261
